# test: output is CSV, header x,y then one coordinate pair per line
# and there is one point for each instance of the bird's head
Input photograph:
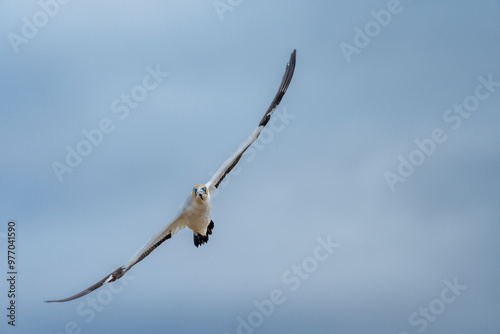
x,y
200,192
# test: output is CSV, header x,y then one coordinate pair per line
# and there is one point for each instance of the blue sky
x,y
369,205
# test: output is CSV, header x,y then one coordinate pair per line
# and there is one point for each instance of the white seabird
x,y
197,212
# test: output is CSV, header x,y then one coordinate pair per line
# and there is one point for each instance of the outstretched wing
x,y
162,235
229,164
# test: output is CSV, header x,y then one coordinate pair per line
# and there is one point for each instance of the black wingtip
x,y
285,82
117,274
54,301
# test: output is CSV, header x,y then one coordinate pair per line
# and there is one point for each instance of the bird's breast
x,y
198,215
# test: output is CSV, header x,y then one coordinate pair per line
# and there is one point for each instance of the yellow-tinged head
x,y
200,192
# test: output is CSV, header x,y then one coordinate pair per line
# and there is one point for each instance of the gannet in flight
x,y
197,211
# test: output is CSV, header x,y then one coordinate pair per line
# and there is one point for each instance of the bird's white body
x,y
198,214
